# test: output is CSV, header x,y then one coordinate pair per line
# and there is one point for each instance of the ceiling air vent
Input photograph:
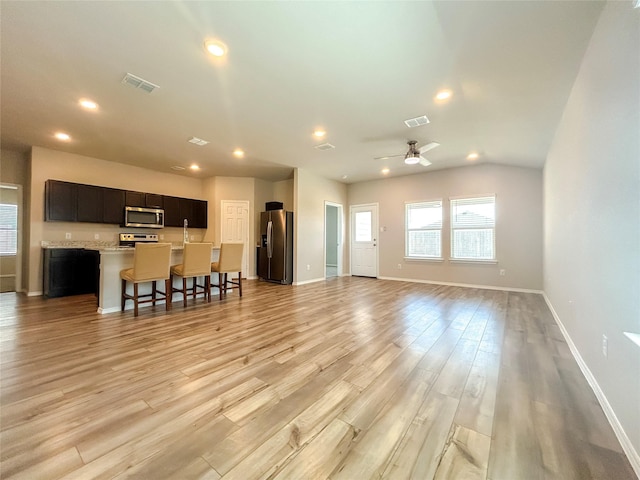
x,y
416,122
140,83
324,146
197,141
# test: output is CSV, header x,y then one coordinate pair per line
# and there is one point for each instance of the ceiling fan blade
x,y
428,146
388,156
424,162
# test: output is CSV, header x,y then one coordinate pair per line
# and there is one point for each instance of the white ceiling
x,y
357,69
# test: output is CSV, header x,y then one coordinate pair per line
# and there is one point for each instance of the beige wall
x,y
50,164
518,225
283,192
13,167
310,194
592,216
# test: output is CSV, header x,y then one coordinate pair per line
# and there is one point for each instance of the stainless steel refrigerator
x,y
275,253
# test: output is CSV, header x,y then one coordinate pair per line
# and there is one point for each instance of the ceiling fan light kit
x,y
411,158
414,154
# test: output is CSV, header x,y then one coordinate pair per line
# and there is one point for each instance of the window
x,y
363,227
8,229
473,223
423,223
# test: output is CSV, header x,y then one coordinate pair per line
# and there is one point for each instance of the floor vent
x,y
140,83
416,122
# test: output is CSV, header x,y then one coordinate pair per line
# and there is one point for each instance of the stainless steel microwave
x,y
143,217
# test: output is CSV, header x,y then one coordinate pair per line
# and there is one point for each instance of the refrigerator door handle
x,y
270,239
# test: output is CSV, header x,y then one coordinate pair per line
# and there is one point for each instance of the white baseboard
x,y
466,285
34,294
625,442
313,280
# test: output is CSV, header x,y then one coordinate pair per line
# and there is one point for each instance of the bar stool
x,y
151,263
230,261
196,262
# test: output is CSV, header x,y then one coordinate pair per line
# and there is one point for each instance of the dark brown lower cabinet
x,y
70,271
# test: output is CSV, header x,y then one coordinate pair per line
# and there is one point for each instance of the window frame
x,y
15,230
407,230
453,227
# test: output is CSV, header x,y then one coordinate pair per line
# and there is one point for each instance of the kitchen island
x,y
114,259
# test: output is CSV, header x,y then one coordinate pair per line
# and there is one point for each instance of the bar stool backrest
x,y
230,257
196,259
151,261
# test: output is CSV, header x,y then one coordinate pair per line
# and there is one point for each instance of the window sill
x,y
423,259
471,260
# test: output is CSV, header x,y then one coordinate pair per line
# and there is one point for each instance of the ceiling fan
x,y
414,154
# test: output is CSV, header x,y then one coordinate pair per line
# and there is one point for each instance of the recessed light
x,y
63,136
177,167
194,167
88,104
443,95
344,177
385,171
319,133
472,156
238,153
215,48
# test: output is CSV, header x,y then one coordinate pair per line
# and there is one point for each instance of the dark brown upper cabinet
x,y
90,204
172,212
113,205
60,201
74,202
142,199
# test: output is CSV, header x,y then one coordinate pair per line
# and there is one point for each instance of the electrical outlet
x,y
67,236
605,346
399,266
308,267
503,272
161,236
193,237
96,236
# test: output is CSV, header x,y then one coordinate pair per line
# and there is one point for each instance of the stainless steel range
x,y
130,239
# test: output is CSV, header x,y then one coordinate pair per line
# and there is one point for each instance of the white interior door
x,y
364,240
235,227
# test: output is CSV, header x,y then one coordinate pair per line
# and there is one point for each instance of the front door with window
x,y
364,240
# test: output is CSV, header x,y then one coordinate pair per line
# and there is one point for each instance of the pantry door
x,y
235,227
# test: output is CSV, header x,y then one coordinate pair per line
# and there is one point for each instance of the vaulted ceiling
x,y
356,70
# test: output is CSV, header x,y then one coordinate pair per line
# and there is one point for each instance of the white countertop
x,y
102,247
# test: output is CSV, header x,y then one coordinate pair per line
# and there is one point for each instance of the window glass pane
x,y
425,215
473,228
473,212
473,244
8,229
363,227
423,229
424,243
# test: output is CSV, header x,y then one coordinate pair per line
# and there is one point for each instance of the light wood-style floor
x,y
351,378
